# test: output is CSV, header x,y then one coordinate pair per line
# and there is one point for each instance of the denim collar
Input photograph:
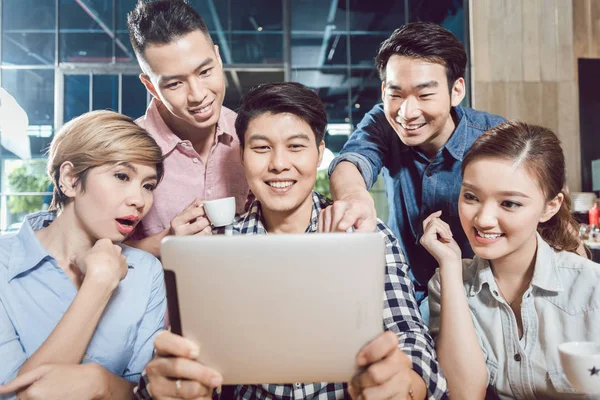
x,y
457,143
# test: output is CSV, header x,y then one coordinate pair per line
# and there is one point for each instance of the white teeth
x,y
202,110
489,235
410,127
281,184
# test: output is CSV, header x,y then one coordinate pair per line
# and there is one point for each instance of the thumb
x,y
25,380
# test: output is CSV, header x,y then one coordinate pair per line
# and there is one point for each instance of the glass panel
x,y
83,31
251,34
239,82
105,94
34,91
318,33
366,93
77,96
27,178
134,96
124,51
28,32
332,87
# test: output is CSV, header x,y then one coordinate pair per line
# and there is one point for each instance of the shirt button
x,y
86,356
517,357
429,173
195,160
208,191
297,385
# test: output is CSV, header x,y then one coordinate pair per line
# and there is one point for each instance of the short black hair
x,y
428,41
161,22
278,98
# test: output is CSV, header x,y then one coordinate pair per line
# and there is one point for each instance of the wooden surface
x,y
524,55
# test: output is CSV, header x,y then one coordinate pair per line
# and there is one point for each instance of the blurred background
x,y
61,58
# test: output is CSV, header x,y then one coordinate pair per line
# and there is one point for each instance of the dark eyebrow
x,y
167,78
133,169
427,85
302,136
257,136
420,86
508,193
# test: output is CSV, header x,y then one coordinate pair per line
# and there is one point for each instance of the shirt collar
x,y
167,140
27,252
457,143
253,221
545,274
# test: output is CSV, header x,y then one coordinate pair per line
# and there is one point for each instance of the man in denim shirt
x,y
418,137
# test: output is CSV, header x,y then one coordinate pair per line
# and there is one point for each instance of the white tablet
x,y
277,308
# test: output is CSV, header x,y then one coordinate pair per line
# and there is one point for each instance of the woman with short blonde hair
x,y
78,309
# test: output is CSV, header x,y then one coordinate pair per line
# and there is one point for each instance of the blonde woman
x,y
78,310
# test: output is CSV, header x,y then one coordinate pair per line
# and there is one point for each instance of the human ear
x,y
321,149
458,92
67,181
149,85
552,207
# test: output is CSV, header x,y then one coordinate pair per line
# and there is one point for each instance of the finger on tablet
x,y
169,344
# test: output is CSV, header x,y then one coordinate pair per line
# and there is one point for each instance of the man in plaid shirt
x,y
281,128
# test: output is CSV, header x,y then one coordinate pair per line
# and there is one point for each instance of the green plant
x,y
322,183
29,177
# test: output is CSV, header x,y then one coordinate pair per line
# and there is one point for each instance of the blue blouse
x,y
35,293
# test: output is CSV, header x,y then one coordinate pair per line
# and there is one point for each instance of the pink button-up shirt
x,y
186,176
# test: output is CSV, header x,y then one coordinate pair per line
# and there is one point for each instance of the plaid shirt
x,y
401,316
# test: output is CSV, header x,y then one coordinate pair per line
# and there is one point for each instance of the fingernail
x,y
216,381
361,360
194,352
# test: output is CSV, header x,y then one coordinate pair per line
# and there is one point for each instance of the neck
x,y
516,268
200,138
294,221
65,237
431,148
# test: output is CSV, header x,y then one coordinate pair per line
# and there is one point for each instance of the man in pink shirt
x,y
182,69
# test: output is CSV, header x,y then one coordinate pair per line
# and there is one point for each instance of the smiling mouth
x,y
280,184
488,235
202,110
411,127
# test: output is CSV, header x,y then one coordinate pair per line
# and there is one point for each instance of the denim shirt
x,y
35,293
416,186
561,305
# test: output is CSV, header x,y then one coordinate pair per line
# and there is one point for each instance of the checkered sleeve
x,y
402,316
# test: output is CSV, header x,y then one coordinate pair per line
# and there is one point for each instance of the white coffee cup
x,y
581,363
220,212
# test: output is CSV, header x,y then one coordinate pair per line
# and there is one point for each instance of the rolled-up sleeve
x,y
367,147
12,355
402,316
151,324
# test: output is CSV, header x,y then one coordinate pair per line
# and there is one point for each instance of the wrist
x,y
102,286
99,380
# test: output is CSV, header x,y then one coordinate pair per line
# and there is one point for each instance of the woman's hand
x,y
103,264
437,240
60,382
175,373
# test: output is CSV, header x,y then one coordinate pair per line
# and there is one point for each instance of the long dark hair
x,y
538,150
